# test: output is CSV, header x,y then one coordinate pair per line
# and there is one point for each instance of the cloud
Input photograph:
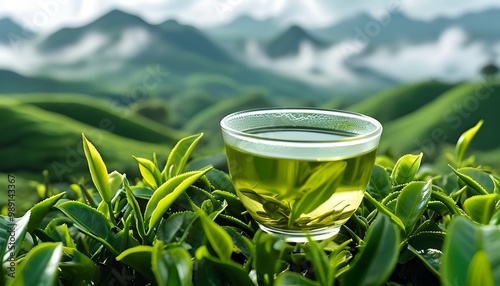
x,y
98,53
49,15
322,67
451,58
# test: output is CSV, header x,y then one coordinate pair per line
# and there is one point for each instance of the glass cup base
x,y
300,236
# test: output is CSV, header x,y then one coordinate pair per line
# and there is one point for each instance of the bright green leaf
x,y
464,141
39,210
479,272
139,220
321,263
149,172
481,208
139,258
114,182
464,240
268,252
98,171
385,210
471,182
12,228
60,232
484,179
380,183
167,193
219,239
406,168
91,222
377,259
39,267
412,202
171,266
179,156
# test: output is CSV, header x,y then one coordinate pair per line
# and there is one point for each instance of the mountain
x,y
401,100
119,50
12,33
101,113
12,82
288,43
245,27
40,140
444,119
396,29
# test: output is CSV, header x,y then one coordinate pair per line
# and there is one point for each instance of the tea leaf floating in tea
x,y
318,188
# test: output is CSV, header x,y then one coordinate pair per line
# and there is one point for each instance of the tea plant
x,y
180,227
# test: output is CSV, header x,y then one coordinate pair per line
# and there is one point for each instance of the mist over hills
x,y
407,76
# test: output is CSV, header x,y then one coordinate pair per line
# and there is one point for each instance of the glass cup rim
x,y
373,134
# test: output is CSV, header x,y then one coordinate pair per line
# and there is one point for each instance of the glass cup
x,y
300,171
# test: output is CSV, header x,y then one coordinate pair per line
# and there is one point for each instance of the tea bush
x,y
178,227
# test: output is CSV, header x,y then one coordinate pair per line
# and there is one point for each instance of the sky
x,y
45,16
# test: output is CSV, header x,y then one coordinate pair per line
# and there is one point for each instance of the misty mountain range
x,y
358,55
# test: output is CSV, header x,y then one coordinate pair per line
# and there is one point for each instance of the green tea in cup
x,y
300,171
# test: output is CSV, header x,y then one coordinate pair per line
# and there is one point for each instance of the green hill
x,y
444,119
107,115
401,100
208,120
34,139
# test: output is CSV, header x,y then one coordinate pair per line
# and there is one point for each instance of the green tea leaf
x,y
479,272
167,193
172,266
289,278
179,156
318,188
380,183
98,170
142,193
481,208
412,202
114,182
77,267
241,242
484,179
139,220
219,239
221,181
149,172
12,228
464,240
91,222
177,224
321,263
406,168
385,210
39,210
470,182
39,267
376,261
213,271
139,258
268,252
60,232
464,141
